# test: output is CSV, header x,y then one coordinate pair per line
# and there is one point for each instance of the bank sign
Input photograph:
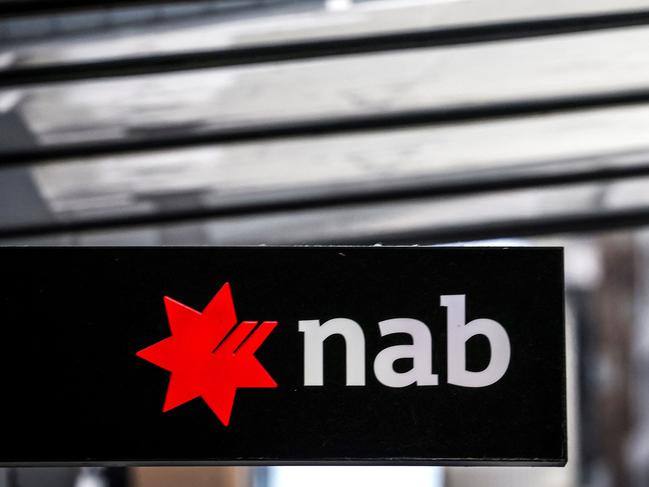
x,y
306,355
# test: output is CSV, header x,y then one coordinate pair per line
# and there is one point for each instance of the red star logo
x,y
208,355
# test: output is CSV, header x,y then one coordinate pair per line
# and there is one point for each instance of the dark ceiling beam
x,y
568,223
26,8
541,175
319,48
326,127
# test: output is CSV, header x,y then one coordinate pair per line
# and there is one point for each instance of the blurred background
x,y
229,122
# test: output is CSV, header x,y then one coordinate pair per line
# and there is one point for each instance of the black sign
x,y
282,355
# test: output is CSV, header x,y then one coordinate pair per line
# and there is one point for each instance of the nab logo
x,y
209,355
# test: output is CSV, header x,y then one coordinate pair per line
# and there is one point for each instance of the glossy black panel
x,y
74,391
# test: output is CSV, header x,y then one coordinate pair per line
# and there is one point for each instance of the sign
x,y
343,355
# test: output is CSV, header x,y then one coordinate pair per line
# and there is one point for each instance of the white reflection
x,y
356,476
